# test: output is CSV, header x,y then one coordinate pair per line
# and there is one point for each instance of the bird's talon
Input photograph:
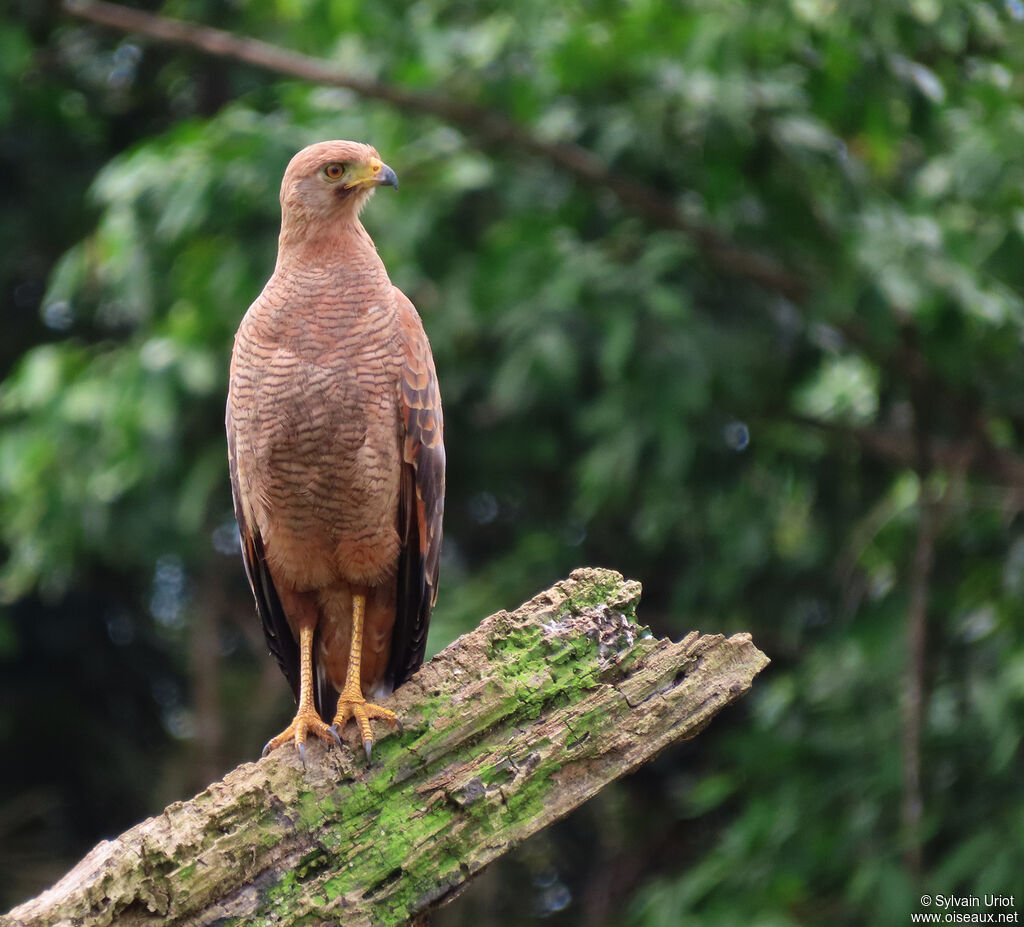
x,y
305,722
356,708
336,735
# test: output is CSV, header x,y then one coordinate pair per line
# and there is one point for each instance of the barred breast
x,y
314,402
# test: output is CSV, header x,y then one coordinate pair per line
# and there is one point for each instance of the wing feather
x,y
421,503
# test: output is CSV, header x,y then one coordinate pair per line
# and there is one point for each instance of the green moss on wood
x,y
504,731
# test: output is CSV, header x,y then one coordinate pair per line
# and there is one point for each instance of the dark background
x,y
767,360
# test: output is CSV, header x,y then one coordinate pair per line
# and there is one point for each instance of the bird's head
x,y
330,181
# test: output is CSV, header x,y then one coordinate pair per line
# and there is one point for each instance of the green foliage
x,y
614,394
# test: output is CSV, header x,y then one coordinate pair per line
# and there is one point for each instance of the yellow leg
x,y
351,703
306,719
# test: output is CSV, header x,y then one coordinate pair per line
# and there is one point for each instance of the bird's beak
x,y
387,177
374,173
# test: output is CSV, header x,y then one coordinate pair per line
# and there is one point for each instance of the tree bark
x,y
505,731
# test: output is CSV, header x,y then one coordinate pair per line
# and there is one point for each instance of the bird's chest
x,y
319,434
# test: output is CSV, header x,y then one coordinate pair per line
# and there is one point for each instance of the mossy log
x,y
505,731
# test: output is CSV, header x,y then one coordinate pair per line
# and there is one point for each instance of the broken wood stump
x,y
504,732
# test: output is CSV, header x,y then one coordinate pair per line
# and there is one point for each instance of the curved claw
x,y
355,707
336,735
305,723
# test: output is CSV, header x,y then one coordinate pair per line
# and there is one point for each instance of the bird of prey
x,y
335,447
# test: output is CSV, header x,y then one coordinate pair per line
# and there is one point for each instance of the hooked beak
x,y
375,173
387,177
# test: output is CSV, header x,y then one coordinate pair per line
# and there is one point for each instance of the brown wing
x,y
279,637
421,505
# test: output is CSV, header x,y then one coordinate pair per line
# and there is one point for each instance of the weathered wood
x,y
505,731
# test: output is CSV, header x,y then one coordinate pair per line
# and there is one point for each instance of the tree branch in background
x,y
931,506
912,804
898,446
506,730
491,130
203,657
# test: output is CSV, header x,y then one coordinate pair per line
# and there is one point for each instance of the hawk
x,y
336,454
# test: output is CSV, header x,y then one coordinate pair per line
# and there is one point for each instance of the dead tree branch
x,y
505,731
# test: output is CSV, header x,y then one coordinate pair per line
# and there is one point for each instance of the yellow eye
x,y
334,171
